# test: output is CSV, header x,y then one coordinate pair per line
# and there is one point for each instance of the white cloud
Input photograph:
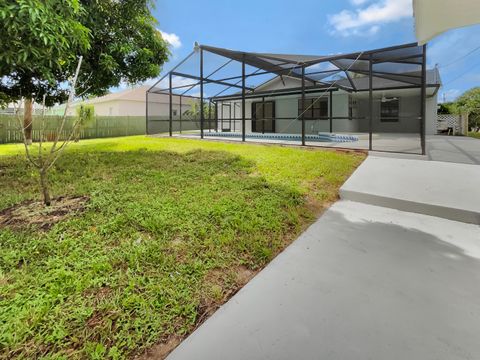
x,y
368,20
359,2
172,39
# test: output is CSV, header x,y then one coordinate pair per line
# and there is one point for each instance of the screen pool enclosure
x,y
373,100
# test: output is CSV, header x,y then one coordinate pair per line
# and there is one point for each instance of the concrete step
x,y
446,190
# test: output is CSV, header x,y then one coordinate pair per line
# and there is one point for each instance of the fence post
x,y
2,131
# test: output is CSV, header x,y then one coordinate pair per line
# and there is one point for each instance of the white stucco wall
x,y
431,115
287,117
409,121
286,110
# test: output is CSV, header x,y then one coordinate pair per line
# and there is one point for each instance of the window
x,y
315,108
389,110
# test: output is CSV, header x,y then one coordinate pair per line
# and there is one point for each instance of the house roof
x,y
137,93
361,83
379,82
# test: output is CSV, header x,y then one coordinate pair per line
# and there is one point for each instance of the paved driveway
x,y
460,149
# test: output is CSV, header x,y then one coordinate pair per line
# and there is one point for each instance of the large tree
x,y
42,39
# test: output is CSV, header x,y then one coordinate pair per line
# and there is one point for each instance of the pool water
x,y
321,137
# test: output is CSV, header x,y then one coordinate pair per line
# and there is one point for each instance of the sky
x,y
316,27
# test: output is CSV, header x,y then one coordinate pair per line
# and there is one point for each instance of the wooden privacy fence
x,y
99,127
161,124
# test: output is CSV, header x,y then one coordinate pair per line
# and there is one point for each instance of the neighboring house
x,y
394,110
129,102
8,110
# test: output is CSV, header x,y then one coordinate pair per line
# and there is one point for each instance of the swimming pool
x,y
321,137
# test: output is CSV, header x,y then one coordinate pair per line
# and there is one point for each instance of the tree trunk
x,y
27,121
45,190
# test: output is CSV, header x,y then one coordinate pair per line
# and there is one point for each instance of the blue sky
x,y
316,27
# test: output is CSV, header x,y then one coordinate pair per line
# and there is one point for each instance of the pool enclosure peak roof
x,y
397,67
275,59
398,52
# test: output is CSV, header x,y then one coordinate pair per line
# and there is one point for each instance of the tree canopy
x,y
469,102
446,108
42,39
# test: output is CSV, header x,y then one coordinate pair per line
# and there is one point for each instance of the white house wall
x,y
286,111
288,121
409,111
158,109
431,115
132,108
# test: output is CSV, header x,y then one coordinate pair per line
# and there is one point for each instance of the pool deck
x,y
457,149
409,143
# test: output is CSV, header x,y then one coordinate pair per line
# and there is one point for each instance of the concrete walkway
x,y
363,282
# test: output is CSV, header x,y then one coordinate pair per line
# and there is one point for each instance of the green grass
x,y
170,225
475,135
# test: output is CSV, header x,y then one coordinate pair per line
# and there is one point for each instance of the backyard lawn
x,y
171,230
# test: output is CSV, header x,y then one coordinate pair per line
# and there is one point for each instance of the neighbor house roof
x,y
130,94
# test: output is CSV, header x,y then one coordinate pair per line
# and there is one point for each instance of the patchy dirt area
x,y
161,350
34,213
